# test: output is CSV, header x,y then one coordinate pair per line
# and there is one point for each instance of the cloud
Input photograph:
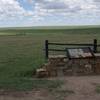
x,y
42,9
66,6
11,9
96,0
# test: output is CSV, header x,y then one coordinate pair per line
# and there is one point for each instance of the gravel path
x,y
83,87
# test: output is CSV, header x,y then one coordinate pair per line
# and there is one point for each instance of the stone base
x,y
41,73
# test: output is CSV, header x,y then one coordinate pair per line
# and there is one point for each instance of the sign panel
x,y
85,52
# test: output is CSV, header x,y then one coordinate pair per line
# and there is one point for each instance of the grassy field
x,y
51,29
21,51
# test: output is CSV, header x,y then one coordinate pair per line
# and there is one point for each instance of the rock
x,y
41,73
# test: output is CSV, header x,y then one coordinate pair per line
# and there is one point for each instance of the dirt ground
x,y
83,88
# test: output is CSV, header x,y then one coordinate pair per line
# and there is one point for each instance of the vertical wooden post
x,y
95,46
46,49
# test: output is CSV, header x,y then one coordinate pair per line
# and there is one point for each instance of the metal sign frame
x,y
86,53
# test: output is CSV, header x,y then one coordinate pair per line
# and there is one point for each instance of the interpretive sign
x,y
84,52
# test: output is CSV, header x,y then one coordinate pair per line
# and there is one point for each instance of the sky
x,y
16,13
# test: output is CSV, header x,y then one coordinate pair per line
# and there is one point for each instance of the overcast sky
x,y
49,12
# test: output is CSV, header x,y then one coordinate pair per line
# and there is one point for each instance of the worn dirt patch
x,y
83,88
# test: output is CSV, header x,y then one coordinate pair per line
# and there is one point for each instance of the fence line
x,y
95,46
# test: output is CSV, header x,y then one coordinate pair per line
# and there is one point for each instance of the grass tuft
x,y
98,89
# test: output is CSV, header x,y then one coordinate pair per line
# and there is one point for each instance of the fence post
x,y
46,49
95,46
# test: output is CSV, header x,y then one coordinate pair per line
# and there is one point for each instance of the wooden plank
x,y
71,44
56,50
46,49
95,46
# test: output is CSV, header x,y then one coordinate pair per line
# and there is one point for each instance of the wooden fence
x,y
94,45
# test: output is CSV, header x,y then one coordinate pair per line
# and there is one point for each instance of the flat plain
x,y
21,51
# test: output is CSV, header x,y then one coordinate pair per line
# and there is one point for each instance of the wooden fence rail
x,y
95,46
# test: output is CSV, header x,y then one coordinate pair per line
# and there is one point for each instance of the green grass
x,y
51,29
22,52
98,89
26,84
